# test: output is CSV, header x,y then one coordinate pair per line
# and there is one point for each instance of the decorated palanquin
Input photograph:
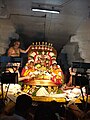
x,y
42,67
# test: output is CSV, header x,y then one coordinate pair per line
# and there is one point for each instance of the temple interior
x,y
45,55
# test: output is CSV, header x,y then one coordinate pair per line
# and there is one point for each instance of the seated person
x,y
80,114
70,79
70,85
15,69
23,107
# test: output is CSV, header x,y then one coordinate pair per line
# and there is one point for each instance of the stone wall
x,y
79,46
6,31
82,37
72,51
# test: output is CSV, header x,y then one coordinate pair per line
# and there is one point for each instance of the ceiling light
x,y
45,10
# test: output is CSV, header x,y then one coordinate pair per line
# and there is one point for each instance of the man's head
x,y
23,104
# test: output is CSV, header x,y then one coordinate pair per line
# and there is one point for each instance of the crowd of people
x,y
25,109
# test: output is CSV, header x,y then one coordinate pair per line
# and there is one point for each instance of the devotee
x,y
80,114
2,105
71,73
69,84
22,109
15,50
45,112
15,69
23,104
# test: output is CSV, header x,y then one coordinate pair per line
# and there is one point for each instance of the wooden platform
x,y
40,83
47,99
